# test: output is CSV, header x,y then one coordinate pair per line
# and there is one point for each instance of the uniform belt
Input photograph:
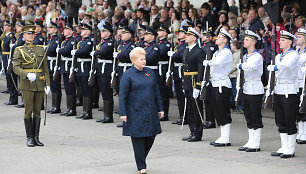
x,y
82,63
190,73
66,59
220,79
51,62
152,67
252,79
160,63
125,65
5,53
104,62
179,65
33,70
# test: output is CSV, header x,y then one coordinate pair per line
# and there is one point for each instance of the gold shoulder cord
x,y
62,44
175,48
24,54
118,48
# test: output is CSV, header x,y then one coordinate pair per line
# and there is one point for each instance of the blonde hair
x,y
136,52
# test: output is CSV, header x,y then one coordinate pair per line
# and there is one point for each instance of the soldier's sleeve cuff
x,y
198,85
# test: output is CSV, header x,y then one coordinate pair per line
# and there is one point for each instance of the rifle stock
x,y
72,73
240,79
10,62
302,109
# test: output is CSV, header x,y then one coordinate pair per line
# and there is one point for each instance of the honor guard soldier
x,y
104,54
164,47
52,64
66,65
177,57
31,65
39,39
301,49
11,78
209,49
152,50
82,52
141,33
19,42
285,94
192,80
220,68
253,91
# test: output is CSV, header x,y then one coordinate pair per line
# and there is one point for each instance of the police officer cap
x,y
127,30
151,31
28,29
39,23
107,27
120,27
193,32
163,27
209,32
52,25
302,32
141,27
252,35
224,33
86,27
20,22
287,35
184,29
189,24
69,26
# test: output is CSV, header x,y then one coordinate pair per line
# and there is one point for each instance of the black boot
x,y
29,131
79,99
53,103
95,98
108,112
180,105
57,103
166,110
83,114
20,105
71,104
88,108
210,118
36,126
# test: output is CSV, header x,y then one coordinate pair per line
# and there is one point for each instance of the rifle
x,y
114,78
57,74
206,77
72,74
171,63
240,79
302,98
10,62
271,83
91,79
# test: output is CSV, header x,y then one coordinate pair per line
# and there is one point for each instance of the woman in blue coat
x,y
140,106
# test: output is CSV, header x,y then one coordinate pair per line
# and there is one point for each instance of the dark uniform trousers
x,y
11,82
69,87
209,109
221,103
252,110
162,82
286,110
300,117
142,146
178,86
104,82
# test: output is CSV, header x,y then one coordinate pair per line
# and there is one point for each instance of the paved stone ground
x,y
75,146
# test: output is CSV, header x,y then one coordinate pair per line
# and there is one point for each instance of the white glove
x,y
46,46
170,53
267,92
303,69
168,74
57,49
115,54
239,65
71,70
31,77
205,63
73,52
47,89
113,74
92,71
196,93
270,67
92,53
55,68
12,45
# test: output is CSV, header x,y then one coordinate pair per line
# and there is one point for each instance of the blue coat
x,y
140,101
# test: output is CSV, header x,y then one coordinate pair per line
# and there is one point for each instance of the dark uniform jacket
x,y
24,62
140,43
39,39
124,50
6,48
105,52
84,48
152,54
65,51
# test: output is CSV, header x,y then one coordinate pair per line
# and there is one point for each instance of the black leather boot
x,y
83,114
57,103
166,110
95,98
210,118
71,105
20,105
88,108
79,98
36,127
28,124
53,104
108,112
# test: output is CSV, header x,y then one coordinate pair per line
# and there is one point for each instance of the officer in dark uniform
x,y
66,62
152,50
39,39
104,54
209,48
52,57
11,77
82,52
163,63
141,32
19,42
192,80
177,57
